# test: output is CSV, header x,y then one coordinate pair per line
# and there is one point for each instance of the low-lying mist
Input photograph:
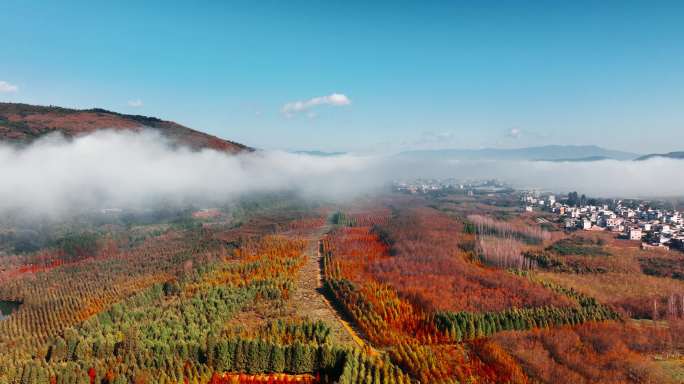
x,y
657,177
120,169
117,169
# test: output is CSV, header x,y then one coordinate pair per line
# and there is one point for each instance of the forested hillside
x,y
23,123
390,290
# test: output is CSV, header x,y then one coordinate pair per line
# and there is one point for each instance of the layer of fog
x,y
118,169
121,169
654,178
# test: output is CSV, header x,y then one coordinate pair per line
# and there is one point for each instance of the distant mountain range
x,y
319,153
542,153
670,155
21,124
580,159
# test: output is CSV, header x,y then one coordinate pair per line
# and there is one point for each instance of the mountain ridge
x,y
538,153
21,124
317,153
679,155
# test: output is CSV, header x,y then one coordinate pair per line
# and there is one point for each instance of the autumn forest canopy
x,y
136,263
341,192
393,288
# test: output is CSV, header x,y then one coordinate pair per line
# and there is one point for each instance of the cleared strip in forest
x,y
360,342
310,301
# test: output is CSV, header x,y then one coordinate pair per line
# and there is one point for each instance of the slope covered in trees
x,y
432,294
161,312
23,123
414,283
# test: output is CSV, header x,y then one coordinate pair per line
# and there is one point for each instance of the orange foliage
x,y
405,328
68,293
429,363
431,268
274,258
277,378
307,225
589,353
384,317
498,362
631,293
368,218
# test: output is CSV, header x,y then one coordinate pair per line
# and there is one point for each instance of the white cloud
x,y
128,169
514,133
137,103
6,87
335,99
121,169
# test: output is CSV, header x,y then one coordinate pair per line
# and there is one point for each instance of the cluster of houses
x,y
468,187
426,185
633,220
655,228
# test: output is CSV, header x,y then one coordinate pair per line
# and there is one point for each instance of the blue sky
x,y
421,74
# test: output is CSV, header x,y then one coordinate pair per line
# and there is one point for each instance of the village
x,y
636,220
469,187
633,220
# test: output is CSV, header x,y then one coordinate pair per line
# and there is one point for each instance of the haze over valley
x,y
341,192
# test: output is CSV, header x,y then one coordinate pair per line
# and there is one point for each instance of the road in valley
x,y
310,301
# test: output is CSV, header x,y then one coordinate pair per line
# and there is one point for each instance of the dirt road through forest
x,y
310,301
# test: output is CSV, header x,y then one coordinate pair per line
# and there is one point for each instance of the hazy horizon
x,y
123,168
311,150
369,78
347,192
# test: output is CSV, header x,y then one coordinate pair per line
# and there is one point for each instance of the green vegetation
x,y
578,246
672,267
159,297
545,261
466,325
178,329
77,246
340,218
